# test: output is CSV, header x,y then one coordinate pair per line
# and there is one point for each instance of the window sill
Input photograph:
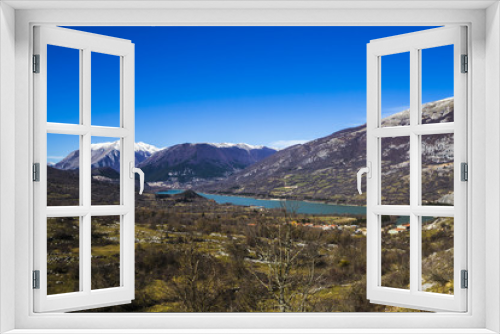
x,y
250,331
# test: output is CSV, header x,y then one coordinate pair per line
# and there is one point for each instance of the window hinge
x,y
464,172
36,63
465,64
465,279
36,279
36,172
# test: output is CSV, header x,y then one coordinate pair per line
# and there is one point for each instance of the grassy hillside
x,y
194,255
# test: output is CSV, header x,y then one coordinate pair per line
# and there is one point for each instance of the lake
x,y
304,207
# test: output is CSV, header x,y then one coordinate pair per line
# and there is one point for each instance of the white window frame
x,y
85,43
414,43
483,102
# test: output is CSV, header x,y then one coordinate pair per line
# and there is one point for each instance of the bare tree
x,y
286,261
197,286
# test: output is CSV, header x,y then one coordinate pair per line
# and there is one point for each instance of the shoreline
x,y
269,199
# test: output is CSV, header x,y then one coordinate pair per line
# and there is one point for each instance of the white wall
x,y
255,17
7,160
492,164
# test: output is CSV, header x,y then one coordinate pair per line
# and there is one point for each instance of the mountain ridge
x,y
185,163
325,169
106,155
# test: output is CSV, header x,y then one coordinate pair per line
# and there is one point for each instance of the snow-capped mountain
x,y
242,146
107,155
179,163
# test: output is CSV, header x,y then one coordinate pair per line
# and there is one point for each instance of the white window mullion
x,y
406,210
86,257
414,171
81,233
86,175
123,175
427,129
67,129
103,131
373,184
85,154
127,119
392,210
122,249
392,131
97,210
434,211
416,247
433,129
77,129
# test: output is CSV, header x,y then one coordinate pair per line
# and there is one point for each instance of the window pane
x,y
395,94
437,84
395,171
396,251
105,90
105,252
437,169
63,164
106,168
437,254
63,255
63,85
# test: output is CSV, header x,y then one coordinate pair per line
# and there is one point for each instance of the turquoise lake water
x,y
300,206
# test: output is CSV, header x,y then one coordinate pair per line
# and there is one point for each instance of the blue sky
x,y
258,85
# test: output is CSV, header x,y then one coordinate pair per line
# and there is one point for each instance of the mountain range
x,y
180,164
323,169
196,162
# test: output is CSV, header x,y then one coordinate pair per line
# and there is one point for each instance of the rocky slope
x,y
325,168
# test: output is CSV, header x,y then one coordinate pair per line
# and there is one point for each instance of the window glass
x,y
63,170
63,100
438,169
395,91
105,252
395,171
105,90
105,168
437,254
437,84
395,251
63,255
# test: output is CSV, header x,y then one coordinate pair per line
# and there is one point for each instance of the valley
x,y
322,170
195,255
195,252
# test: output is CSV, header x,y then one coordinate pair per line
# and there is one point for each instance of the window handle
x,y
362,171
139,171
